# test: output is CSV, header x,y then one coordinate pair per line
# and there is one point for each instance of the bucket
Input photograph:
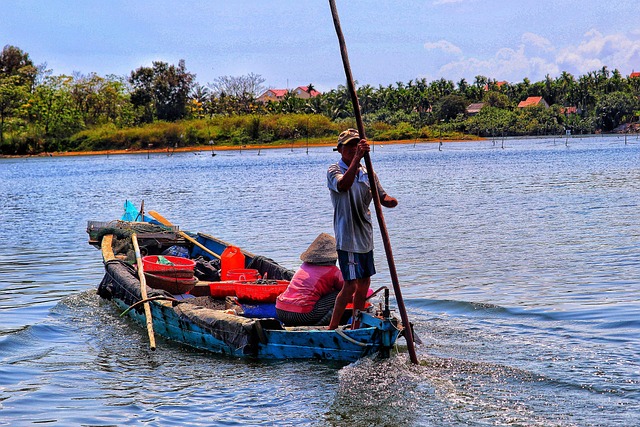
x,y
155,264
174,285
243,275
231,259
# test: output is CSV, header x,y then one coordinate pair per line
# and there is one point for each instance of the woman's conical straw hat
x,y
321,251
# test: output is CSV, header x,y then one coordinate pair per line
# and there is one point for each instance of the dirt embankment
x,y
298,144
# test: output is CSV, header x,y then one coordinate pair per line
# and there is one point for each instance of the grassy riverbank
x,y
222,133
298,144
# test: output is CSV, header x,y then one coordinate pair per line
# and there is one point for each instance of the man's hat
x,y
321,251
346,137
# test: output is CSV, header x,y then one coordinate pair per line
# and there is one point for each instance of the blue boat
x,y
223,324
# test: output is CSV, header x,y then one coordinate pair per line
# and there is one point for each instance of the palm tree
x,y
566,85
634,85
480,82
365,96
616,83
463,86
585,91
549,90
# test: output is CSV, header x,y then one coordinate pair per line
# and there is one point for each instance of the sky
x,y
293,43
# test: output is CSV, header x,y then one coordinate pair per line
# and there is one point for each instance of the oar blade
x,y
162,220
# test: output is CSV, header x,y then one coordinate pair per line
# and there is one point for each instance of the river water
x,y
518,261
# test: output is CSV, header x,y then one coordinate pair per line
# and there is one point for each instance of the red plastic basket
x,y
256,291
150,264
174,285
222,289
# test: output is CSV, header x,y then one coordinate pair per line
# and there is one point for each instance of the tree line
x,y
164,105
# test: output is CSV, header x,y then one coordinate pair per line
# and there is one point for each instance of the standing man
x,y
348,183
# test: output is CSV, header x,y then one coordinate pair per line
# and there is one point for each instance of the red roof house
x,y
634,75
278,94
303,92
474,108
568,110
533,101
498,85
272,95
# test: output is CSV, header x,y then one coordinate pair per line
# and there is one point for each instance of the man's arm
x,y
345,183
389,202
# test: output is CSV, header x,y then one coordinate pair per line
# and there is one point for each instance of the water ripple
x,y
518,265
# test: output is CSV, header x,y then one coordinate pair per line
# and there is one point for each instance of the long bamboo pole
x,y
143,292
408,333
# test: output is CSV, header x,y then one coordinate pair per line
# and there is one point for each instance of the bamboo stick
x,y
143,292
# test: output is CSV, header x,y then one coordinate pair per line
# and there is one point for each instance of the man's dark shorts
x,y
355,265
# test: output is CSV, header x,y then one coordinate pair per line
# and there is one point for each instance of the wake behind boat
x,y
198,290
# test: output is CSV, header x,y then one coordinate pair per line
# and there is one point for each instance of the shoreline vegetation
x,y
298,144
163,108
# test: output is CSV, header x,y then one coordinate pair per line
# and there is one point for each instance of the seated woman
x,y
311,294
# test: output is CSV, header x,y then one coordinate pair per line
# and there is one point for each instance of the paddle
x,y
374,189
162,220
143,292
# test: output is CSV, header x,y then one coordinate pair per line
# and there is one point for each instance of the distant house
x,y
533,101
498,84
474,108
275,95
634,75
272,95
567,111
303,92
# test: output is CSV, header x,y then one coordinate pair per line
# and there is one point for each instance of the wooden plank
x,y
107,248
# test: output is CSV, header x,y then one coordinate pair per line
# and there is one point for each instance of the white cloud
x,y
597,50
444,46
536,56
537,41
507,64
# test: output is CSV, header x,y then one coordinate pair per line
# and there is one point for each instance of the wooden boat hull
x,y
219,332
278,344
200,323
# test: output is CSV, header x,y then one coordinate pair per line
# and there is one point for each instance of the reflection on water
x,y
519,268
